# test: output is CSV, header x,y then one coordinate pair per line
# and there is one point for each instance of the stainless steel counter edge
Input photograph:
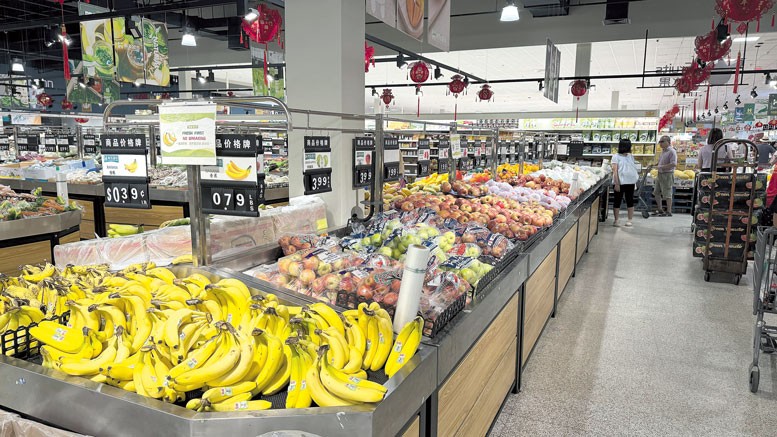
x,y
51,224
458,336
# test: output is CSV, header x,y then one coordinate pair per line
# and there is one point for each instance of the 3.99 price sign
x,y
424,153
444,156
317,165
363,161
390,159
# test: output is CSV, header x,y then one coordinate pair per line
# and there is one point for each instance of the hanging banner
x,y
749,114
552,71
188,133
97,43
772,108
93,89
383,10
141,51
410,18
439,32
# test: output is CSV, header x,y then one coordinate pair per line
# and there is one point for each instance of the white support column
x,y
185,84
325,72
615,100
583,68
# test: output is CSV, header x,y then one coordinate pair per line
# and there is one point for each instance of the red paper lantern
x,y
387,97
263,30
742,11
579,88
668,117
67,104
685,85
457,85
45,100
369,57
485,93
81,120
696,73
419,73
709,49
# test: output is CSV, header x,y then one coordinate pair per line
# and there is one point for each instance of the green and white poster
x,y
188,133
749,112
772,111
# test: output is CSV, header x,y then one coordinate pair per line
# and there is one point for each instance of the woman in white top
x,y
705,153
624,179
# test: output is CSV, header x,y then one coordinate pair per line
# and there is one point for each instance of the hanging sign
x,y
90,143
235,185
772,111
316,168
27,143
188,133
390,159
489,149
503,151
444,156
5,143
64,142
125,172
456,150
363,161
424,156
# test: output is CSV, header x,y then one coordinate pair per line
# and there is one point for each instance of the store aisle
x,y
641,345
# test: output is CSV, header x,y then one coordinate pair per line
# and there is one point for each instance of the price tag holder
x,y
444,156
317,165
235,185
90,143
124,144
232,198
390,159
126,193
50,144
423,168
63,143
5,143
363,161
27,143
424,153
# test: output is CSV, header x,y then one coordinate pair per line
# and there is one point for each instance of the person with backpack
x,y
624,179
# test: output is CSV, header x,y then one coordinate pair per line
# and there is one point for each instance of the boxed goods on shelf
x,y
732,251
722,181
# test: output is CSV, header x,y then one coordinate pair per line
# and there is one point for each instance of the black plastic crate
x,y
432,328
20,344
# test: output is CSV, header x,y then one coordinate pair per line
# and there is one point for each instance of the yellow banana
x,y
405,346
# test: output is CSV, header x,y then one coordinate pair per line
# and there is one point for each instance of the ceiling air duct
x,y
616,12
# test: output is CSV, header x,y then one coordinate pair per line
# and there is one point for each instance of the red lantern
x,y
419,73
387,97
709,49
696,73
81,120
743,11
264,30
579,88
369,57
456,87
67,104
485,93
45,100
668,117
685,85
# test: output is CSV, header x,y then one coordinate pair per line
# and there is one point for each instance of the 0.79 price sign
x,y
230,199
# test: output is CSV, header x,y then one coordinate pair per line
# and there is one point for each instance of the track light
x,y
137,83
709,113
211,76
401,61
725,106
722,31
541,85
52,36
64,38
716,110
188,39
418,91
509,12
437,73
753,93
374,92
200,78
81,82
466,81
252,15
772,82
17,66
738,101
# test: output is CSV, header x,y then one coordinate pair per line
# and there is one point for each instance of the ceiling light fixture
x,y
466,81
52,36
137,83
753,93
17,66
200,78
63,37
709,113
717,110
211,76
746,39
738,101
401,61
725,106
188,39
374,92
252,15
437,73
509,12
541,86
81,82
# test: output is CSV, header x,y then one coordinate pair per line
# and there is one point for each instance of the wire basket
x,y
20,344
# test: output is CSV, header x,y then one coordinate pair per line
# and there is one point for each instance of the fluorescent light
x,y
746,38
509,12
17,66
188,39
252,15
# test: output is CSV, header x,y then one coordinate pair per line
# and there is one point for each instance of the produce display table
x,y
455,385
32,240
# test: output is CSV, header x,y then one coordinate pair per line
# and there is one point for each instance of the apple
x,y
333,282
324,268
283,265
295,269
307,276
311,263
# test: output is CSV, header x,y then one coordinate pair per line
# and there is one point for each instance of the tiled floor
x,y
641,345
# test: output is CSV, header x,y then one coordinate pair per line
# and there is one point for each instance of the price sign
x,y
5,143
126,193
318,181
27,143
90,144
423,168
64,143
390,159
124,144
235,185
424,163
231,199
50,144
363,161
444,156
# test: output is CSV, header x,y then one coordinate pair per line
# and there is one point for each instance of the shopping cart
x,y
640,192
764,292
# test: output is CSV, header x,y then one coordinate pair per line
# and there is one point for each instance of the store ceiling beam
x,y
144,11
418,57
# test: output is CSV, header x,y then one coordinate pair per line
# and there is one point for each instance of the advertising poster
x,y
188,133
141,51
97,48
102,90
410,18
383,10
439,28
749,114
772,107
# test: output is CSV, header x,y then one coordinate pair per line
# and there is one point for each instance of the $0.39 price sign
x,y
126,195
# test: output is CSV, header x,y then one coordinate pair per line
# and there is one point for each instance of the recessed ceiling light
x,y
509,12
746,38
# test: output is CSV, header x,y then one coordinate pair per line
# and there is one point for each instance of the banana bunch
x,y
115,230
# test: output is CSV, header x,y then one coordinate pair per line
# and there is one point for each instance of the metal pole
x,y
200,226
152,144
379,162
494,152
80,142
451,160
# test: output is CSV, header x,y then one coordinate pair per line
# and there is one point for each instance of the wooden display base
x,y
33,249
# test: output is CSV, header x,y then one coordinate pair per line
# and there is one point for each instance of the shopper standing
x,y
624,179
765,152
705,153
667,163
771,191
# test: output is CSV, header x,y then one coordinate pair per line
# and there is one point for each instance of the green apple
x,y
385,251
376,239
468,275
366,241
